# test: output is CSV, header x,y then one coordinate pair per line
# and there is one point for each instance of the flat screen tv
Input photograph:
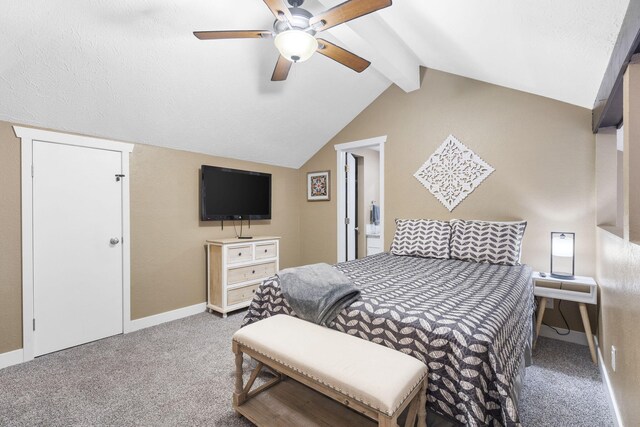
x,y
234,194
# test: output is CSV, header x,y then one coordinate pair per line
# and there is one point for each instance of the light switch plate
x,y
549,304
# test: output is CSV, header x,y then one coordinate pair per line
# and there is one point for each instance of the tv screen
x,y
234,194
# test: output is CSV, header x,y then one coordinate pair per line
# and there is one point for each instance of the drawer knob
x,y
265,251
253,272
254,291
239,253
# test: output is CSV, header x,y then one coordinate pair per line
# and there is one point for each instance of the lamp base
x,y
562,276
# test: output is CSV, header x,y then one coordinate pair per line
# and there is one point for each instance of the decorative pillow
x,y
421,237
485,241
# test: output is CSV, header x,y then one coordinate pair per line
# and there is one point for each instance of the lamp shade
x,y
296,45
563,259
562,245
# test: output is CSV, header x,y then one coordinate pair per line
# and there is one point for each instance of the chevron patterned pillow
x,y
421,237
485,241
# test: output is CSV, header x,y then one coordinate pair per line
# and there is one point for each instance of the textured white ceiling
x,y
554,48
132,70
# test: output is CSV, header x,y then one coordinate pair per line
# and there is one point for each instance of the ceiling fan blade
x,y
347,11
279,9
342,56
281,71
214,35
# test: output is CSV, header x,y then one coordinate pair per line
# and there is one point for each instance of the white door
x,y
77,253
352,202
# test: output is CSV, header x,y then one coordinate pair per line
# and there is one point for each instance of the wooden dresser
x,y
235,269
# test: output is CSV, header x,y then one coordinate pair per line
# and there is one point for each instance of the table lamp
x,y
563,249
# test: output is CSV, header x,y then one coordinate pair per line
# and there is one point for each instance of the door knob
x,y
114,241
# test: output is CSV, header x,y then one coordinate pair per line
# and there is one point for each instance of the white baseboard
x,y
167,316
573,336
611,398
11,358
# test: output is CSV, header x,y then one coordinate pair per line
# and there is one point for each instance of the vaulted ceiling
x,y
133,71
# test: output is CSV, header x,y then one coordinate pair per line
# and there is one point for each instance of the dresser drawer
x,y
266,250
243,294
239,254
565,286
251,272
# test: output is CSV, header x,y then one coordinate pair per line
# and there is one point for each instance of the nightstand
x,y
580,289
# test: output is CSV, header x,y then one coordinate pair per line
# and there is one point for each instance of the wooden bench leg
x,y
239,396
385,421
418,408
413,412
422,409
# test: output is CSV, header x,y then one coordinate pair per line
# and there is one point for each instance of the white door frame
x,y
27,136
351,211
341,150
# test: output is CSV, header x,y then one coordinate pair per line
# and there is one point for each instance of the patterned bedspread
x,y
469,322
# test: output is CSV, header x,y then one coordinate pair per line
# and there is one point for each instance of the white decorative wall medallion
x,y
453,172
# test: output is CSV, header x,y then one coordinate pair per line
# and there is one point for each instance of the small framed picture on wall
x,y
318,186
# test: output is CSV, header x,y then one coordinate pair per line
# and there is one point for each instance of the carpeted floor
x,y
563,388
181,373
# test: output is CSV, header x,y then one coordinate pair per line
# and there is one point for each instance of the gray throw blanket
x,y
317,292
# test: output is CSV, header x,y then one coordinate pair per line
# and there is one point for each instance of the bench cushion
x,y
372,374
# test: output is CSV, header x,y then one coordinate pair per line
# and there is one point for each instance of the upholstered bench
x,y
325,377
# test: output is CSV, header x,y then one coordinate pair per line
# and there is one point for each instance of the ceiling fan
x,y
294,33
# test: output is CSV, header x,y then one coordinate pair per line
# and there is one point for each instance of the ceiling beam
x,y
374,39
607,110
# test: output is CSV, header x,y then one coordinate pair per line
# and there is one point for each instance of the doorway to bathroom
x,y
360,198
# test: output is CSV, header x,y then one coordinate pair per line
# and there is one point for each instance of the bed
x,y
470,322
452,294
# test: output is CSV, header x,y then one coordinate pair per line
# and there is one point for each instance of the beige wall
x,y
631,157
608,166
318,219
10,235
167,238
167,252
618,268
542,150
618,275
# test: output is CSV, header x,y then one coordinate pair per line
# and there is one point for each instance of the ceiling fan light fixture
x,y
296,45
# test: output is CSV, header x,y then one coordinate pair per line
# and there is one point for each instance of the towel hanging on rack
x,y
374,214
